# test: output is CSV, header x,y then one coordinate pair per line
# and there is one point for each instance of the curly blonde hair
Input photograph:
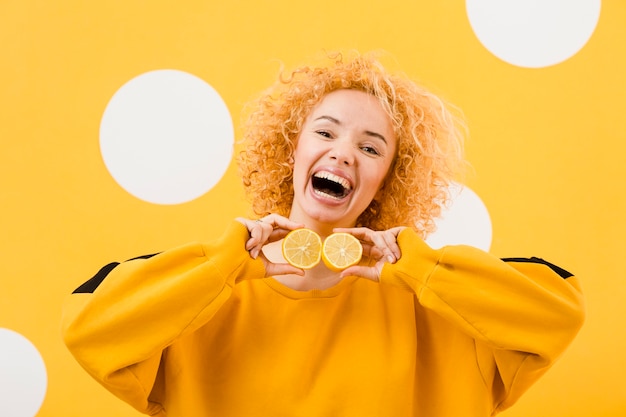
x,y
429,135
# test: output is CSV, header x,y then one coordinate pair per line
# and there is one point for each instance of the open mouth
x,y
330,185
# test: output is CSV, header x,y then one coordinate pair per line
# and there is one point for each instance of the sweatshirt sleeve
x,y
521,312
118,323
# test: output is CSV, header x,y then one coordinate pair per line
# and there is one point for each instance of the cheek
x,y
305,154
301,154
372,184
300,170
377,180
380,174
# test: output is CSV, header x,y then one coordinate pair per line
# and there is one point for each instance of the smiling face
x,y
342,156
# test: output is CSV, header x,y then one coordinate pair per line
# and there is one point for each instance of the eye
x,y
324,133
370,149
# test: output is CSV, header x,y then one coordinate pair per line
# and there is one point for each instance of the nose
x,y
342,151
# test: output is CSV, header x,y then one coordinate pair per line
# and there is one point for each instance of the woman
x,y
228,328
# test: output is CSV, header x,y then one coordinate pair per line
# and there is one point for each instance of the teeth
x,y
334,178
322,193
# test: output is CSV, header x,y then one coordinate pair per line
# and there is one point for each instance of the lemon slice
x,y
302,248
340,251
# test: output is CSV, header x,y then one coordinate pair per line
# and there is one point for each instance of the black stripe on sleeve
x,y
562,272
95,281
143,257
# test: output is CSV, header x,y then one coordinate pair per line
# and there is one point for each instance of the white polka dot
x,y
23,377
466,221
166,137
533,33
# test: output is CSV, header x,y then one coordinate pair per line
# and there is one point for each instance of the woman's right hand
x,y
270,228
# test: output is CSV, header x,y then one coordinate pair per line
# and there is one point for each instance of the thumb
x,y
272,269
370,272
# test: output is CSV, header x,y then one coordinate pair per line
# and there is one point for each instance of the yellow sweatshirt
x,y
197,331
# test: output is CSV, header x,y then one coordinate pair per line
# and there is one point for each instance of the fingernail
x,y
391,258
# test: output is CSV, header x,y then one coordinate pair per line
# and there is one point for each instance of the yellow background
x,y
548,147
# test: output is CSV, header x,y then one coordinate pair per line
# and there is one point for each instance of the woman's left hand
x,y
379,245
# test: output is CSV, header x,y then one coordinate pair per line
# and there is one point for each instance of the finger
x,y
276,221
259,234
274,227
278,227
278,234
258,238
381,240
395,232
272,269
362,233
391,244
268,229
374,245
371,251
370,272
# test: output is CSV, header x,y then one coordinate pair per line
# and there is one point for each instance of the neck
x,y
322,228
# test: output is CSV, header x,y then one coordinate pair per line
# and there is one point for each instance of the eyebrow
x,y
337,122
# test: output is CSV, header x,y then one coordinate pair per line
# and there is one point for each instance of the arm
x,y
118,323
523,313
